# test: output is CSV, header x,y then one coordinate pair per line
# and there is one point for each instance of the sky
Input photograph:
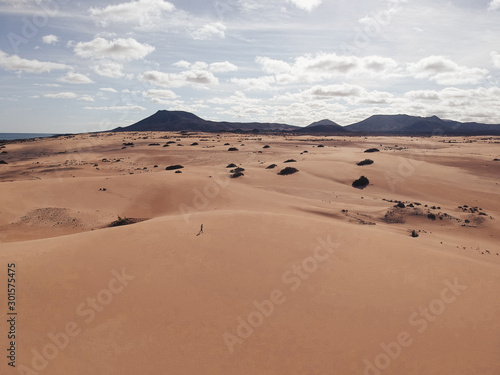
x,y
70,66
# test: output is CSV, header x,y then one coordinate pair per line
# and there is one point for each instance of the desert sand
x,y
295,274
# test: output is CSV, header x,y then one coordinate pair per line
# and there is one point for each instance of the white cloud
x,y
50,39
222,67
160,94
61,95
86,98
182,64
18,64
495,58
118,108
109,69
117,49
210,31
142,12
445,71
76,78
194,78
494,5
108,89
261,83
332,91
323,66
307,5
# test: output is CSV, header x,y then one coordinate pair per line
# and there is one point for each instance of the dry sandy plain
x,y
297,274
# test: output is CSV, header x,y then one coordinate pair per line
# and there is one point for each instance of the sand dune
x,y
298,274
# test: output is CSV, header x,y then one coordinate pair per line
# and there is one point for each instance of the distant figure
x,y
201,230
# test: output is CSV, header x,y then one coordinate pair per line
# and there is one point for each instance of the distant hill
x,y
414,125
184,121
375,125
323,126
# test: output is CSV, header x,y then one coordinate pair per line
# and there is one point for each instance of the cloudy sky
x,y
75,66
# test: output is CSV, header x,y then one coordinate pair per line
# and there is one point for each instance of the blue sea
x,y
12,136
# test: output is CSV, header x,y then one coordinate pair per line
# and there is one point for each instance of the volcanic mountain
x,y
164,120
375,125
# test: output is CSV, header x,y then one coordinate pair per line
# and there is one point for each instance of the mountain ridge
x,y
401,124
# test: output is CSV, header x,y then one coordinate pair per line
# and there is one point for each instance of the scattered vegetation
x,y
290,161
174,167
371,150
361,183
288,171
266,146
124,221
231,165
414,233
237,170
194,144
154,144
233,149
236,175
272,166
365,162
321,146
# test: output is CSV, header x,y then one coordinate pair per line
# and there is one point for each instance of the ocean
x,y
12,136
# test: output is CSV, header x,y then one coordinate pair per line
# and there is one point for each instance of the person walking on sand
x,y
201,230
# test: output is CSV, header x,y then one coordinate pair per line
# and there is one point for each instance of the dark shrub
x,y
431,217
165,145
170,142
236,175
287,171
236,170
194,144
3,162
174,167
414,234
365,162
154,144
231,165
370,150
266,146
321,146
128,144
232,149
400,205
361,183
290,161
178,171
226,144
272,166
125,221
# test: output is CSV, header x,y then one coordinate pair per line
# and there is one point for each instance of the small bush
x,y
194,144
166,145
3,162
231,165
236,175
371,150
431,217
154,144
290,161
237,170
365,162
414,234
174,167
321,146
288,171
361,183
232,149
272,166
266,146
